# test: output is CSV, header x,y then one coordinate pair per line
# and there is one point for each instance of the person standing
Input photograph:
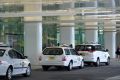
x,y
118,53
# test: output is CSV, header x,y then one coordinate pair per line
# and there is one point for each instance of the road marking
x,y
114,78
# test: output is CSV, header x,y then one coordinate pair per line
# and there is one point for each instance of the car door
x,y
16,61
101,53
105,55
76,58
68,55
22,62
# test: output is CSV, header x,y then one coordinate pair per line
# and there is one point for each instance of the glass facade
x,y
79,4
79,33
49,35
12,28
101,33
117,2
50,30
11,32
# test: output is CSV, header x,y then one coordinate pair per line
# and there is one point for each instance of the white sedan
x,y
93,53
13,63
61,57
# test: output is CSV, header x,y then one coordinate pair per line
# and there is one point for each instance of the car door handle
x,y
21,63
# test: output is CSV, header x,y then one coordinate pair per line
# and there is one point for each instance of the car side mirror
x,y
80,54
25,57
106,50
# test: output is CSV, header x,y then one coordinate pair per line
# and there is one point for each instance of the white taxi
x,y
93,53
13,63
60,57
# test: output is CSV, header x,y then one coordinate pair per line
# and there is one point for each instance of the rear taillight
x,y
64,58
40,58
1,62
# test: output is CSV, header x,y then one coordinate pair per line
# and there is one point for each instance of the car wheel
x,y
81,65
97,64
45,68
70,66
108,61
58,67
89,63
28,71
9,74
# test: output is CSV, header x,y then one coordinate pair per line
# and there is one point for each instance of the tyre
x,y
9,74
45,68
89,63
28,71
108,61
58,67
97,63
81,65
70,66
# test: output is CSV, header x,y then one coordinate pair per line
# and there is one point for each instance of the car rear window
x,y
84,47
53,51
2,51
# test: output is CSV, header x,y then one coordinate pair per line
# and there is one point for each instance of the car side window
x,y
93,48
11,54
19,56
67,52
2,51
73,52
15,55
98,47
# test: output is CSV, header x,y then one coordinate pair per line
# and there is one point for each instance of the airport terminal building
x,y
31,25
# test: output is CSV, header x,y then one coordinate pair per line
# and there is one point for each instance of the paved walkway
x,y
116,63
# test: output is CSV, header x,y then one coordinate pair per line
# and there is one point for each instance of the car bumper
x,y
3,70
89,59
60,63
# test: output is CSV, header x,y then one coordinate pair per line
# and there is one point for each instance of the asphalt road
x,y
111,72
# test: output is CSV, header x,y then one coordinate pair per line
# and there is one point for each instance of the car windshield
x,y
2,51
84,47
53,51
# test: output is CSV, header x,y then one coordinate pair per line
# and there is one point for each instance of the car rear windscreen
x,y
84,47
2,51
53,51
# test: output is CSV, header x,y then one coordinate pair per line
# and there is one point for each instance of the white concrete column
x,y
33,42
110,42
67,31
67,35
110,37
91,36
33,35
91,31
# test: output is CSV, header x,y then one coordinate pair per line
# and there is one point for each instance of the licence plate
x,y
51,58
